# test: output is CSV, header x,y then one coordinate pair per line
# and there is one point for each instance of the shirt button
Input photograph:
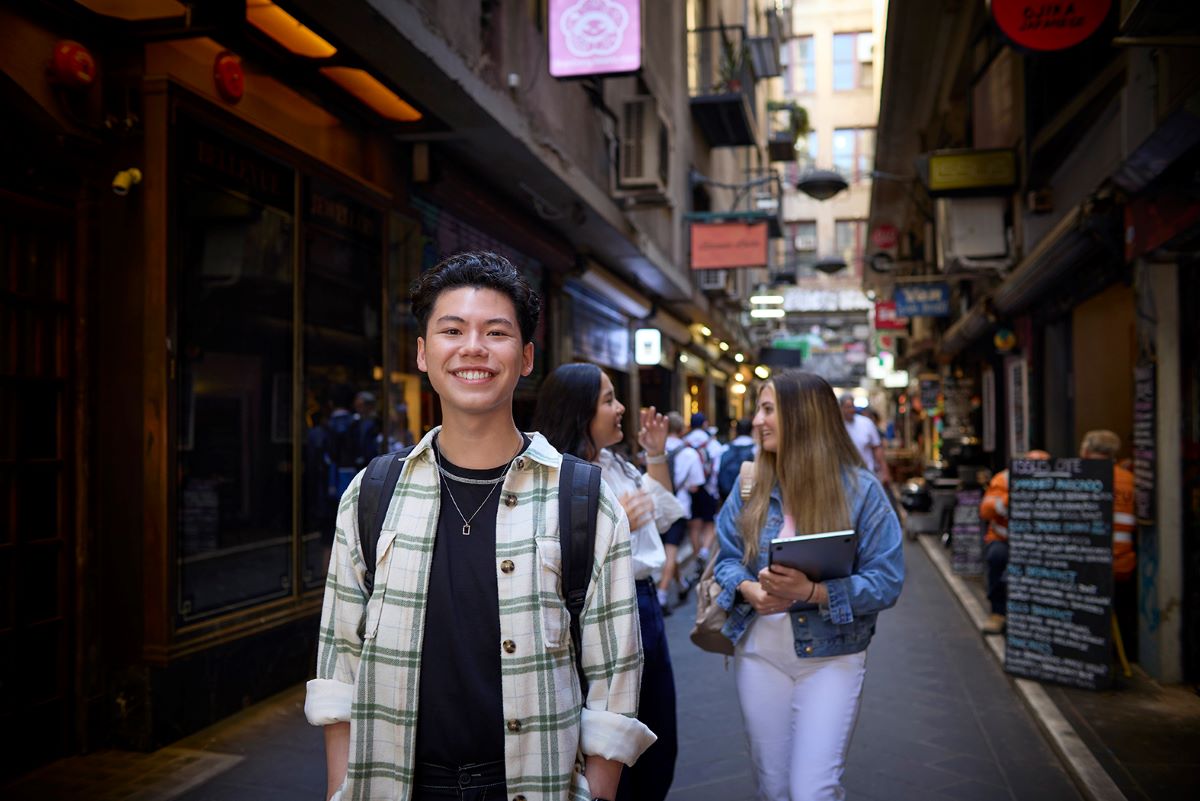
x,y
521,466
507,566
514,725
510,500
509,646
808,649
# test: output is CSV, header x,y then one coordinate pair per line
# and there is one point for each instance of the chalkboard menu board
x,y
966,557
1060,571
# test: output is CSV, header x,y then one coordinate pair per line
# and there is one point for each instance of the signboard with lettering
x,y
923,300
961,170
1144,451
1049,25
725,245
208,155
966,537
886,317
1060,571
595,37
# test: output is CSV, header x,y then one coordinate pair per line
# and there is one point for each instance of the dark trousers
x,y
996,555
482,782
650,778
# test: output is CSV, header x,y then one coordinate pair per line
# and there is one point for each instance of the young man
x,y
701,529
457,673
866,438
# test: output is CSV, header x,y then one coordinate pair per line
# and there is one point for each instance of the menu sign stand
x,y
966,557
1060,571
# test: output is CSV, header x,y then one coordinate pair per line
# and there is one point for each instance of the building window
x,y
853,58
235,283
854,152
851,242
800,77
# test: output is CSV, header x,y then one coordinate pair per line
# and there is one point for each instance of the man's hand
x,y
639,508
763,602
788,582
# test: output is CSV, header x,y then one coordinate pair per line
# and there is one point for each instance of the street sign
x,y
1048,26
727,245
885,236
886,317
595,37
923,300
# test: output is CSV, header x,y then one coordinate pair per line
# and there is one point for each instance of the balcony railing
x,y
721,85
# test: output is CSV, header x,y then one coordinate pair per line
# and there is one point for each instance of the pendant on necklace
x,y
466,529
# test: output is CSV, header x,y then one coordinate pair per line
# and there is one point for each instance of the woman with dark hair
x,y
578,413
801,645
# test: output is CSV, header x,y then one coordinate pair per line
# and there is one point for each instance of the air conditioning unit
x,y
644,152
715,281
866,47
806,241
972,234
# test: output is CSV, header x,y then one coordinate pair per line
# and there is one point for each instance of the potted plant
x,y
789,122
731,66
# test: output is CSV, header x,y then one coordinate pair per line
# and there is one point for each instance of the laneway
x,y
939,718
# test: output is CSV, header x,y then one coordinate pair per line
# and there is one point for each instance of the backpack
x,y
343,453
578,503
671,454
705,457
731,463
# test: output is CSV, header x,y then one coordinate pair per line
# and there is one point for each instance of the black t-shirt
x,y
460,718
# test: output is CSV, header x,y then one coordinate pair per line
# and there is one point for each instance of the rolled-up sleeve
x,y
612,646
339,644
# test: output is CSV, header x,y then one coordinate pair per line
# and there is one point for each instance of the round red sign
x,y
1048,25
885,236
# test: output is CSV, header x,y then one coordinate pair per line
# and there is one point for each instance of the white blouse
x,y
648,553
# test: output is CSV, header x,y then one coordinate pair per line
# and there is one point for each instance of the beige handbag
x,y
710,618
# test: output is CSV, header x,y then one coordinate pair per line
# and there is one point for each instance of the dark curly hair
x,y
477,270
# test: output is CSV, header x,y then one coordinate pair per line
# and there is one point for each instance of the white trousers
x,y
799,713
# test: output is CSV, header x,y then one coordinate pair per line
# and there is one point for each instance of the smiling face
x,y
472,351
766,427
605,428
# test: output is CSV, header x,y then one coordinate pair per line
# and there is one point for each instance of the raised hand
x,y
652,431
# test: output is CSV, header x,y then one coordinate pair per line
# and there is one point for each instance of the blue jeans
x,y
995,553
482,782
651,777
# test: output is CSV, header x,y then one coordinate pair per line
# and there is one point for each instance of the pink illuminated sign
x,y
595,37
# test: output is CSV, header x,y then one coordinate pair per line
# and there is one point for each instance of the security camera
x,y
123,180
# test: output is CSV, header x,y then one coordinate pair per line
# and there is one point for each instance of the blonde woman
x,y
801,645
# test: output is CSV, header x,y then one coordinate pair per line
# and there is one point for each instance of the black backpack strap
x,y
578,503
378,483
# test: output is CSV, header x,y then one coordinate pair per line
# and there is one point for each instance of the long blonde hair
x,y
813,454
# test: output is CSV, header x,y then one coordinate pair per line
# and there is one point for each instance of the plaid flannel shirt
x,y
373,679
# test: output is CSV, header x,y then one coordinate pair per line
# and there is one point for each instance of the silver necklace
x,y
464,480
466,529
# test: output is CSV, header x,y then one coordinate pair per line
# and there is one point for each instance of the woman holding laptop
x,y
801,643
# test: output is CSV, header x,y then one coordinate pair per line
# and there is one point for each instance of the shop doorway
x,y
37,490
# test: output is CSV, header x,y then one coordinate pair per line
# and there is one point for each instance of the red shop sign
x,y
729,245
1048,25
885,236
886,317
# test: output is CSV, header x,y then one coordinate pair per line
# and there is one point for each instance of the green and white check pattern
x,y
372,679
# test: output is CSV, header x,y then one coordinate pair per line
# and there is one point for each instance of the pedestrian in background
x,y
800,645
578,413
702,528
1105,444
687,475
994,509
740,450
865,436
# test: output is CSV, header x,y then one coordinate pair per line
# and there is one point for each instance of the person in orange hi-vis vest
x,y
1103,444
994,509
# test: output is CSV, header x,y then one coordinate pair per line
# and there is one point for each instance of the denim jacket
x,y
846,624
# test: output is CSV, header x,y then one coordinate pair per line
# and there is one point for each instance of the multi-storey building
x,y
210,214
